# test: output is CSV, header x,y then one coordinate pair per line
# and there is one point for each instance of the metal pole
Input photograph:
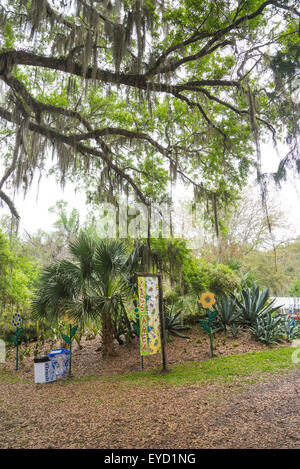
x,y
17,357
162,323
211,342
70,364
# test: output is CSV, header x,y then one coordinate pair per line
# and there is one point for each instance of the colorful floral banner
x,y
150,340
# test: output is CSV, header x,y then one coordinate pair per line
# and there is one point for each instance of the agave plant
x,y
267,328
173,325
290,329
228,312
254,304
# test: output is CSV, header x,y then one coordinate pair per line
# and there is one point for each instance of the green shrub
x,y
171,297
189,275
189,308
200,275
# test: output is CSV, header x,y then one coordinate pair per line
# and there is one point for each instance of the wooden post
x,y
162,323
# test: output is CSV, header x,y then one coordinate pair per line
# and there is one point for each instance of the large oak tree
x,y
130,94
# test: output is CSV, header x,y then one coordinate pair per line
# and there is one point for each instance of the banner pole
x,y
70,363
162,323
17,356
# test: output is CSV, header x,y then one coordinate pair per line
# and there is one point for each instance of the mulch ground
x,y
95,414
106,414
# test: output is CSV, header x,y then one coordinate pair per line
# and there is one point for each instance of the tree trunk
x,y
107,337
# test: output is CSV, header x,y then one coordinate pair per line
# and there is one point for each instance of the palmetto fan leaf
x,y
55,289
83,251
79,310
110,259
72,277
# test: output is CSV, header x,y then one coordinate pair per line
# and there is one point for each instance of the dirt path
x,y
267,415
98,414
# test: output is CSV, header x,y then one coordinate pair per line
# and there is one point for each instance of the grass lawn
x,y
221,369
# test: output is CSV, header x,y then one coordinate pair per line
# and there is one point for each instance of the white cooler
x,y
43,370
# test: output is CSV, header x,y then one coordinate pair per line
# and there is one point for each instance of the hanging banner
x,y
150,339
143,316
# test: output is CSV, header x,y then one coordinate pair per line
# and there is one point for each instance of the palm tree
x,y
93,284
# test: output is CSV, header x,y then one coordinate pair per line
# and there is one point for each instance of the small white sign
x,y
2,351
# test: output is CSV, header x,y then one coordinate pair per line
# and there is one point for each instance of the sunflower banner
x,y
150,339
16,320
207,300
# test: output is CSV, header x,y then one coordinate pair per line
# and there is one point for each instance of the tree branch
x,y
10,204
53,135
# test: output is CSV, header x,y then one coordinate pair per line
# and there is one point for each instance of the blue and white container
x,y
60,361
43,370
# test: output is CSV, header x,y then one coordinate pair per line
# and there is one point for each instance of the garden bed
x,y
89,362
